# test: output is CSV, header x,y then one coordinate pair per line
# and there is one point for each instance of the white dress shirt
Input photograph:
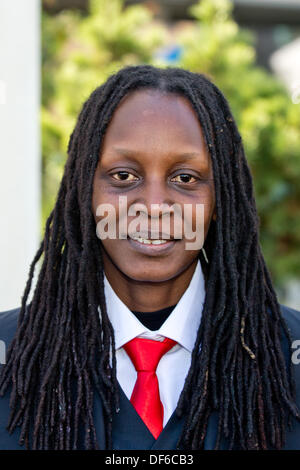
x,y
181,326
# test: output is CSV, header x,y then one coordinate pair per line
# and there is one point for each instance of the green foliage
x,y
79,53
268,121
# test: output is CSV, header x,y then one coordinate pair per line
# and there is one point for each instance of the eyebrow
x,y
132,153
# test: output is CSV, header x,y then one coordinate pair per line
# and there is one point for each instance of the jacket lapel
x,y
129,430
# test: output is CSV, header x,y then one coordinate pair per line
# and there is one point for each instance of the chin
x,y
150,277
140,269
160,273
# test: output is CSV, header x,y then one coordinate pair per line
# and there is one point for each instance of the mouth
x,y
151,237
150,241
151,245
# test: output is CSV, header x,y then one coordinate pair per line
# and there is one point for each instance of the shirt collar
x,y
187,314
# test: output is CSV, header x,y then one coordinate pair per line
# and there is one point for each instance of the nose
x,y
156,197
155,208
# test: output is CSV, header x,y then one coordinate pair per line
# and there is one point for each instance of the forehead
x,y
149,116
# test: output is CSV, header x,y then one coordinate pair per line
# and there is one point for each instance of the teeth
x,y
149,242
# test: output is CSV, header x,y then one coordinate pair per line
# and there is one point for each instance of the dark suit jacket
x,y
129,431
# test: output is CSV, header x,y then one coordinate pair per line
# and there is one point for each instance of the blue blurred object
x,y
170,54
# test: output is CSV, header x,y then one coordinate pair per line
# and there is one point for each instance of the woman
x,y
166,137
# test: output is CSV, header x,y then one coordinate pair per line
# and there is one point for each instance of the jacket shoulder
x,y
8,326
292,320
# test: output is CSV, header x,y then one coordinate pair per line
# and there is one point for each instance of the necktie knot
x,y
145,354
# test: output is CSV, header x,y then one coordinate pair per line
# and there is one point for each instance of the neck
x,y
145,296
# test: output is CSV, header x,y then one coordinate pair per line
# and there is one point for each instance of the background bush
x,y
81,51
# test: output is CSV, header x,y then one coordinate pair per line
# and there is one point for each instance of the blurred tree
x,y
268,121
80,52
54,6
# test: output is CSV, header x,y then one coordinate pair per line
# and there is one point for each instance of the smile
x,y
146,241
151,247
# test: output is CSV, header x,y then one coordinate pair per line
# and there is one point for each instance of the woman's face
x,y
153,153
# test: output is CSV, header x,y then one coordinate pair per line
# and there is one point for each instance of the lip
x,y
152,249
152,236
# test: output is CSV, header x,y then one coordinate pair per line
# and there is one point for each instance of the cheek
x,y
96,200
204,212
100,194
100,197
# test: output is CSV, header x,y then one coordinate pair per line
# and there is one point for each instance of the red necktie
x,y
145,355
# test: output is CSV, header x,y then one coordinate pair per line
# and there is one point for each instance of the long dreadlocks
x,y
63,350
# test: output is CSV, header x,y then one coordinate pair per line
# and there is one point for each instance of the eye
x,y
124,176
184,178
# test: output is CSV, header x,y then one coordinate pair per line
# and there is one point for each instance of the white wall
x,y
19,145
